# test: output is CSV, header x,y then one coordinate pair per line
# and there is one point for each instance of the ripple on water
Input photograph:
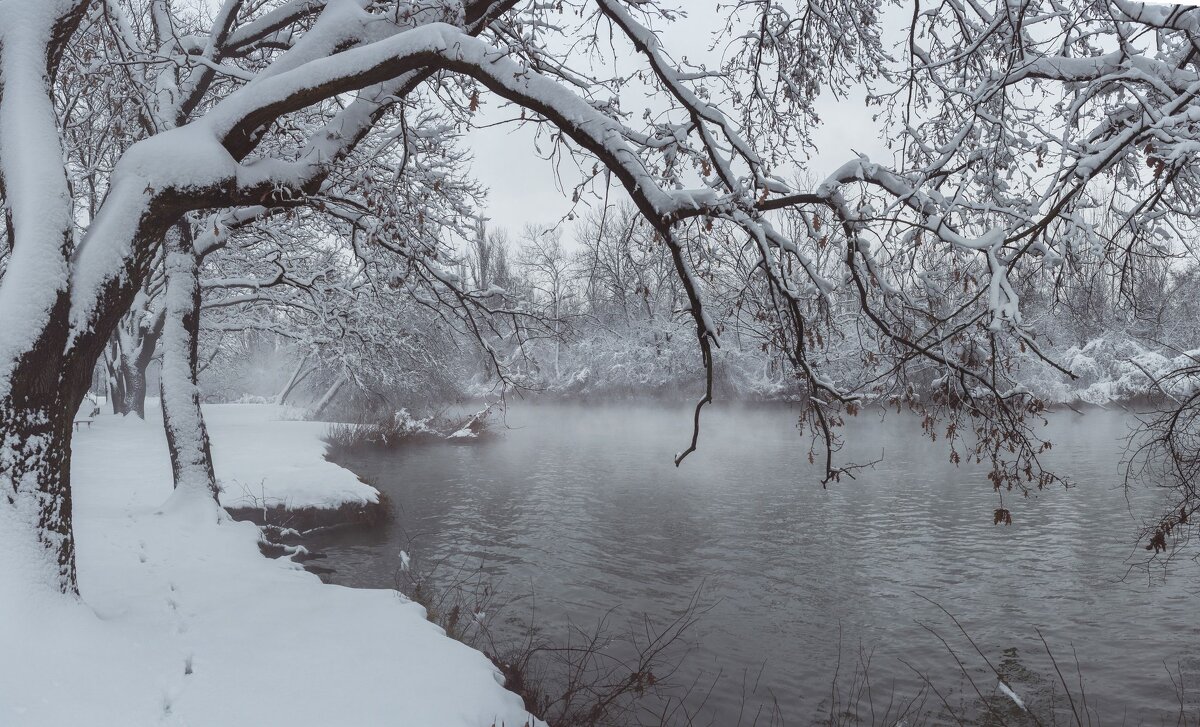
x,y
585,506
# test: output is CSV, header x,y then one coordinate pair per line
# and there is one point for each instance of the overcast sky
x,y
523,188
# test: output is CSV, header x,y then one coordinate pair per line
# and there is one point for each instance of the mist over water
x,y
583,507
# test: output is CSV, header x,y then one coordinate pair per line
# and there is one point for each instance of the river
x,y
581,507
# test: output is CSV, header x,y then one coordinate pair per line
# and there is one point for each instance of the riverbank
x,y
182,621
265,456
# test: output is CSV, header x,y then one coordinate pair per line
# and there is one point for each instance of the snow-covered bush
x,y
391,431
1110,369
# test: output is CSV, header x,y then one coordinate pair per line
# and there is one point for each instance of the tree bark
x,y
39,391
115,373
36,417
127,359
134,375
187,435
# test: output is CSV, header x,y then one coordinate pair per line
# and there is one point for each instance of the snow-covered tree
x,y
1015,117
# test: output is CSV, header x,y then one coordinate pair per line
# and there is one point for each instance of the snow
x,y
35,184
1112,368
1008,692
181,397
259,455
183,622
186,157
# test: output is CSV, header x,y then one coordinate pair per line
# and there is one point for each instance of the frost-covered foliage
x,y
380,350
399,428
619,329
1113,371
1123,336
613,317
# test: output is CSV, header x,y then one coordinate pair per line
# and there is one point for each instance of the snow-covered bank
x,y
183,622
263,458
1110,370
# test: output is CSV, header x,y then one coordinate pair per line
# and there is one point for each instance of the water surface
x,y
582,506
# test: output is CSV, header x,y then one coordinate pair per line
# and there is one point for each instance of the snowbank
x,y
261,459
183,622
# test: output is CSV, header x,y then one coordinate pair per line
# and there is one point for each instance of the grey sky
x,y
523,188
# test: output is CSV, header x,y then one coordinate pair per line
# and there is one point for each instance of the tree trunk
x,y
127,385
37,483
329,396
115,378
127,359
297,376
36,415
148,344
133,372
40,392
187,436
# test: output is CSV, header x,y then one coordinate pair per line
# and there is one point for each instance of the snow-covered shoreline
x,y
182,621
265,456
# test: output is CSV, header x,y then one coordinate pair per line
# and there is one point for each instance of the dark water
x,y
582,507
